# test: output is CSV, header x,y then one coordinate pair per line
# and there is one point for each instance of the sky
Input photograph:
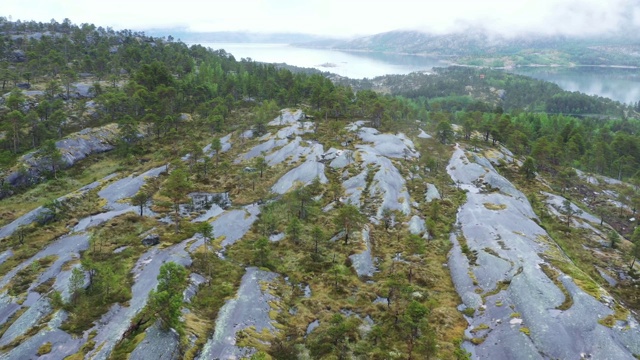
x,y
340,18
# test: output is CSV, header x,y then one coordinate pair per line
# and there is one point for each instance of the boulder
x,y
18,56
150,240
80,90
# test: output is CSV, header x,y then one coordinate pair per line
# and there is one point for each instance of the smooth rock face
x,y
388,185
508,243
417,225
264,147
26,321
39,214
432,193
157,344
127,187
294,151
195,280
354,187
388,188
25,219
95,220
294,129
74,148
5,255
389,145
250,308
555,203
287,117
38,306
314,324
62,344
225,143
65,248
363,262
590,178
235,223
424,135
287,145
145,272
343,159
303,174
276,237
81,90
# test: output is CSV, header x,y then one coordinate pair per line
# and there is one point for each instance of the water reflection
x,y
356,65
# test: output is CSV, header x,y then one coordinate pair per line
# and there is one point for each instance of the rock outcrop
x,y
151,240
498,267
74,148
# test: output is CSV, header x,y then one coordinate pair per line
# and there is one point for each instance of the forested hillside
x,y
160,200
476,46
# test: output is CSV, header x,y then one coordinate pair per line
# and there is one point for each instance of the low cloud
x,y
546,17
344,18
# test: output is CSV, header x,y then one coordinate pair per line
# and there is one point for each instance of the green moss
x,y
620,314
23,279
480,327
44,349
525,330
495,207
469,311
491,251
500,286
553,275
472,255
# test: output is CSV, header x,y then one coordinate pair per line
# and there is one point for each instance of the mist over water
x,y
615,83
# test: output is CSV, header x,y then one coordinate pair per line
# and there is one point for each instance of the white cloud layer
x,y
341,17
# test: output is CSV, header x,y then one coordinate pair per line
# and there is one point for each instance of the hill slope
x,y
175,211
476,47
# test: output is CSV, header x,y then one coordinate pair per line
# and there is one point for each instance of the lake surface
x,y
615,83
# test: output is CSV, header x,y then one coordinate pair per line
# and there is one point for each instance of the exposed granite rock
x,y
74,148
151,240
250,308
363,261
158,344
287,117
432,193
517,300
417,225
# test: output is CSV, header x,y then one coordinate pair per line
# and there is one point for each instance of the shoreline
x,y
453,63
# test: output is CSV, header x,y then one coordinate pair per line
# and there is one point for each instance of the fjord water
x,y
621,84
615,83
356,65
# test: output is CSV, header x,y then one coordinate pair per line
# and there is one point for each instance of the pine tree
x,y
216,146
528,168
76,284
166,299
52,156
176,188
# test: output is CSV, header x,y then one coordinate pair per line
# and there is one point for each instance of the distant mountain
x,y
477,47
237,36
